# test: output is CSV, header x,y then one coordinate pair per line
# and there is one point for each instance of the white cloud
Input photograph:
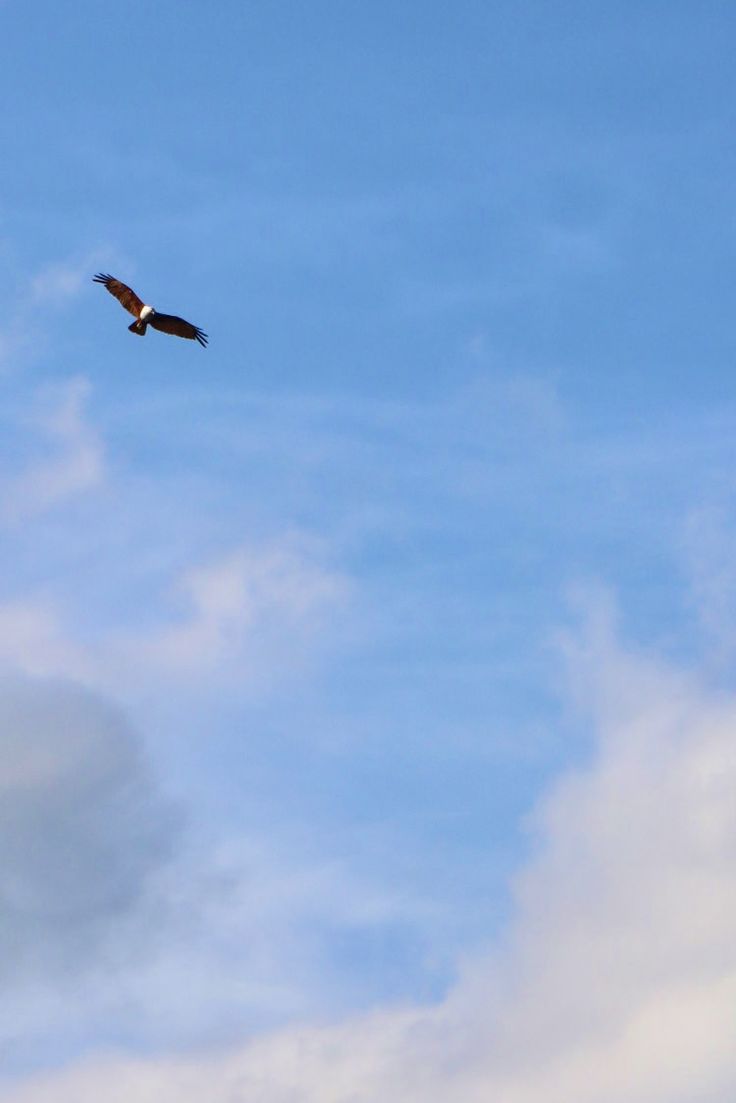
x,y
59,281
76,464
708,547
616,979
53,287
250,617
249,605
33,642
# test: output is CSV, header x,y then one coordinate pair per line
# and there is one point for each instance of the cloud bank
x,y
617,976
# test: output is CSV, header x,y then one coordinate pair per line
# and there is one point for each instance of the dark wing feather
x,y
169,323
122,293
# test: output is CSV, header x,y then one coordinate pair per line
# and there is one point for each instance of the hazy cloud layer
x,y
467,272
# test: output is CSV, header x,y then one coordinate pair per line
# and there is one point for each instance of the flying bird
x,y
146,316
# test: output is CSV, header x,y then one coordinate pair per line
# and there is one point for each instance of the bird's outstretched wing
x,y
169,323
122,293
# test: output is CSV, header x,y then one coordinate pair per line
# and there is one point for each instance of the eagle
x,y
146,316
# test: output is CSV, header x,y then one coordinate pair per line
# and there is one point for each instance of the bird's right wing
x,y
178,327
122,293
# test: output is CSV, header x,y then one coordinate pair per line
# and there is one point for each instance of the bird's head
x,y
146,311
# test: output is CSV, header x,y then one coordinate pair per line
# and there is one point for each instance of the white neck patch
x,y
145,311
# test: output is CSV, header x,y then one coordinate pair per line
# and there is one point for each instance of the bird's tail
x,y
139,327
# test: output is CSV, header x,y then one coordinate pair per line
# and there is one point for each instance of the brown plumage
x,y
146,315
122,293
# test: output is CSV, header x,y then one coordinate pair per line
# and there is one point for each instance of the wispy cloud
x,y
708,546
53,288
76,463
251,616
243,605
60,281
33,642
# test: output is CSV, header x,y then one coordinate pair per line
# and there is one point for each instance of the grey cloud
x,y
82,826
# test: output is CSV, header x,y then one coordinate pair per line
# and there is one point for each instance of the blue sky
x,y
350,668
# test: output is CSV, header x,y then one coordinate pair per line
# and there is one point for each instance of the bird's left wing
x,y
125,296
169,323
